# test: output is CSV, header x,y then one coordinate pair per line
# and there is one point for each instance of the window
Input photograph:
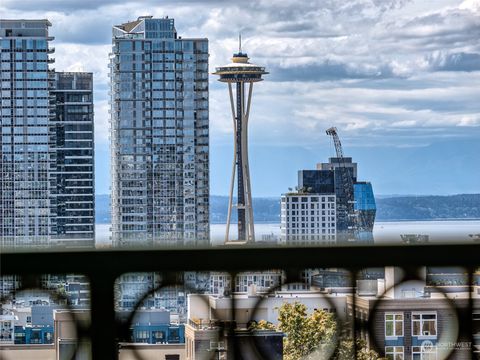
x,y
172,357
174,334
125,46
47,338
424,352
424,324
394,352
393,324
142,336
36,337
158,336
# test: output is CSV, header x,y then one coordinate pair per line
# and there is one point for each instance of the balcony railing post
x,y
103,325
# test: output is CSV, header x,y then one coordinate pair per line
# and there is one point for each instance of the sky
x,y
399,79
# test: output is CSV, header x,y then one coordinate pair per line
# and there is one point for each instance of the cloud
x,y
454,62
473,5
67,6
329,70
94,58
392,71
429,107
451,28
56,5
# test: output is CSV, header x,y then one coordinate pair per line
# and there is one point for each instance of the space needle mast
x,y
242,74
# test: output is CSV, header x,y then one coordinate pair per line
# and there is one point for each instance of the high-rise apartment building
x,y
308,219
73,178
26,111
311,214
46,158
364,208
344,173
160,135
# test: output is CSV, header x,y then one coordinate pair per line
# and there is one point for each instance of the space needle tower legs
x,y
243,74
240,163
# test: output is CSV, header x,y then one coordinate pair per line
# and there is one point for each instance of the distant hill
x,y
265,210
464,206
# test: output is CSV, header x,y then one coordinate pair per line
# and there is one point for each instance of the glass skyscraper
x,y
308,218
73,178
365,205
317,181
26,113
38,130
160,135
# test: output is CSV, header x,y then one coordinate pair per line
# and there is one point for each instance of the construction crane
x,y
347,219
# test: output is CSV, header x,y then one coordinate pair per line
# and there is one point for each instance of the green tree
x,y
346,350
315,336
305,334
261,325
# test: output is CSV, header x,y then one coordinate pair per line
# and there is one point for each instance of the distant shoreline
x,y
376,221
462,207
417,220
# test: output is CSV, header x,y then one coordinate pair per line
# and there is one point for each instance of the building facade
x,y
413,328
320,210
73,144
26,155
344,175
317,181
160,135
146,287
216,330
364,206
252,282
152,327
308,219
46,157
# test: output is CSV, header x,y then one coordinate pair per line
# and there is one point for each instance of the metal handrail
x,y
103,267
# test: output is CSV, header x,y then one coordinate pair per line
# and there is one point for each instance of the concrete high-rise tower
x,y
242,74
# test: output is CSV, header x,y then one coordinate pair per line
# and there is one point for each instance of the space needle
x,y
242,74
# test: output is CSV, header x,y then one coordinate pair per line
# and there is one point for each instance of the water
x,y
383,232
438,231
102,235
217,233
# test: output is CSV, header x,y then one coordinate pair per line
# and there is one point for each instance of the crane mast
x,y
346,217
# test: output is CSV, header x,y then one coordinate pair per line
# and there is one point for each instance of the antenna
x,y
239,43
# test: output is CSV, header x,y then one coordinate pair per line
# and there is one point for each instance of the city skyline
x,y
133,110
397,79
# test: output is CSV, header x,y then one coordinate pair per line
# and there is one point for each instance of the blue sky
x,y
399,79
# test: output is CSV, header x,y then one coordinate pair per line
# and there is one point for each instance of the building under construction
x,y
329,204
